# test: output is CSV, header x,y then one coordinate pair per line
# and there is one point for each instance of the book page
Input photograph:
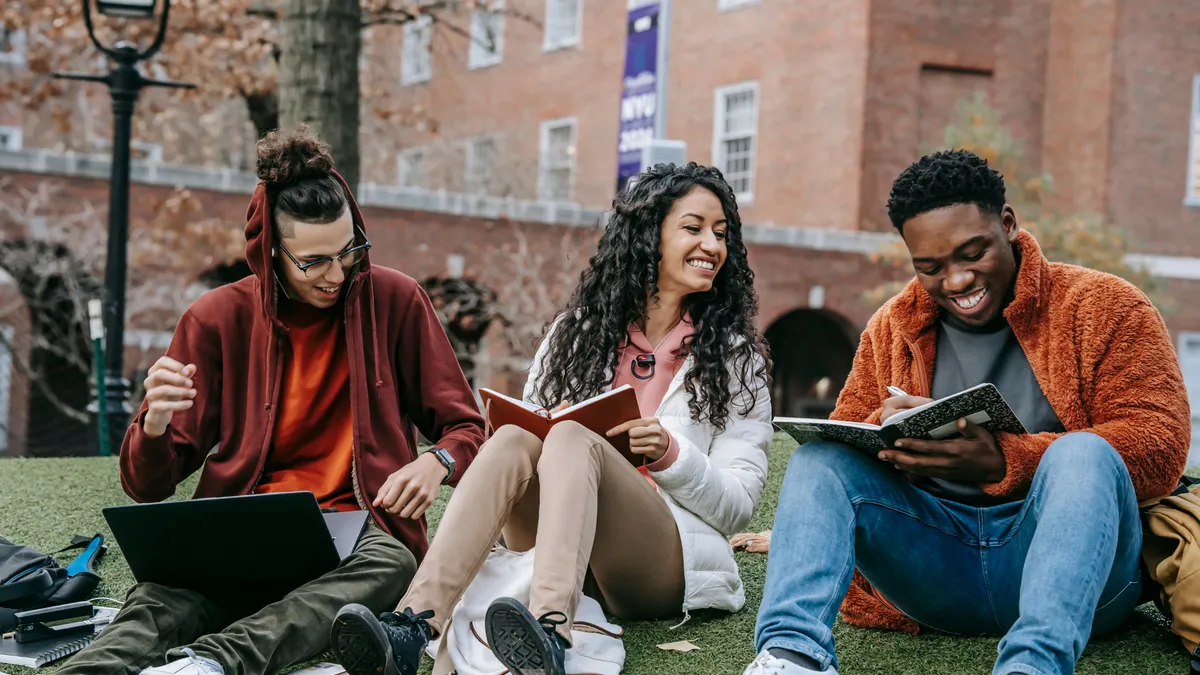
x,y
535,409
590,401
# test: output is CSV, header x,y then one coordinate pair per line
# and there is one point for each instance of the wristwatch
x,y
447,461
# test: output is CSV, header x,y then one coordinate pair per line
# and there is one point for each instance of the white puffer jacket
x,y
712,488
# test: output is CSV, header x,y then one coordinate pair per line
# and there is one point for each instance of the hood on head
x,y
260,240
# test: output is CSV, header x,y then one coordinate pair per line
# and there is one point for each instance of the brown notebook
x,y
600,413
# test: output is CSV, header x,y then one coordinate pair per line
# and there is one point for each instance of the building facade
x,y
810,109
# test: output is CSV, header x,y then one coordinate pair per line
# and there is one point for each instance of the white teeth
x,y
970,301
703,264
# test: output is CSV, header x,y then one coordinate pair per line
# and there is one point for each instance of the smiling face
x,y
306,242
963,257
692,243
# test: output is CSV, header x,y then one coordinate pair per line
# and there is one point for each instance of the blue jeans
x,y
1047,572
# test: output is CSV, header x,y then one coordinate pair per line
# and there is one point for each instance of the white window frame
x,y
719,136
16,57
478,54
1189,361
1192,189
544,166
12,138
551,42
404,167
726,5
152,151
471,171
420,29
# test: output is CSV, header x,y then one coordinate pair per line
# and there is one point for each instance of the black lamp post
x,y
124,83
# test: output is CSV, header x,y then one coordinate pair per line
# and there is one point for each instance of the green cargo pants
x,y
246,638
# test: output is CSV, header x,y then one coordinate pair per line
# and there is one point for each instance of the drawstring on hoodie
x,y
370,289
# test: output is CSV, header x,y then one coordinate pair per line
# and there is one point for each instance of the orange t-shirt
x,y
314,435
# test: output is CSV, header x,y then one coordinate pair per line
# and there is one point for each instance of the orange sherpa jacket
x,y
1100,352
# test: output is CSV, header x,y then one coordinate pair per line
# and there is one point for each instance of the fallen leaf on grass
x,y
683,646
754,542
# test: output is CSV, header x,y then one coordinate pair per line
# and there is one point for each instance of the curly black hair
x,y
945,178
622,278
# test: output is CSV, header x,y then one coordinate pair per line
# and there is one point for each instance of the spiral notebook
x,y
38,654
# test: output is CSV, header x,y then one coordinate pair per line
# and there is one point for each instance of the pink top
x,y
650,391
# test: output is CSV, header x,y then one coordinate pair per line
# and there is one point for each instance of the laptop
x,y
275,541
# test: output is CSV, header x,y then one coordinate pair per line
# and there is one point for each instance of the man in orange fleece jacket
x,y
1035,537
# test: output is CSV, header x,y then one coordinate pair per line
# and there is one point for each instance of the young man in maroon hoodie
x,y
314,374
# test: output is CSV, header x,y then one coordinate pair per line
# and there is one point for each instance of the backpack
x,y
30,579
1171,557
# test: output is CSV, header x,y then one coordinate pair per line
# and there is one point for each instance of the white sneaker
x,y
189,665
766,664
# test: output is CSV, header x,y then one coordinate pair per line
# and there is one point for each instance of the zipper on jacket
x,y
922,374
354,483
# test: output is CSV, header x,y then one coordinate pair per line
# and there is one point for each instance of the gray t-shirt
x,y
967,357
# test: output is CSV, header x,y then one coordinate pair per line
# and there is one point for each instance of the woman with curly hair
x,y
670,280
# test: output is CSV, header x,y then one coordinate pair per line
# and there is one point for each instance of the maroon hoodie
x,y
403,377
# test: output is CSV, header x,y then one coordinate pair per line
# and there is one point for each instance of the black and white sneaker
x,y
525,645
389,645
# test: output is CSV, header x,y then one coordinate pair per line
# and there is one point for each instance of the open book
x,y
599,413
936,420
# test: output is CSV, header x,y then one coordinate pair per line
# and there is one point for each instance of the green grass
x,y
45,501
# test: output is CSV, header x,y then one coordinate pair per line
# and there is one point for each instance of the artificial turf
x,y
43,502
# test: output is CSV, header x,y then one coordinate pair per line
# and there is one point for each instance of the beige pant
x,y
581,504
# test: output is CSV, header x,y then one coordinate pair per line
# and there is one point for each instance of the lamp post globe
x,y
128,9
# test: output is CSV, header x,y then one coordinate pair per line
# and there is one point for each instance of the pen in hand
x,y
896,391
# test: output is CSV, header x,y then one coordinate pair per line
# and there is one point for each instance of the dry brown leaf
x,y
681,646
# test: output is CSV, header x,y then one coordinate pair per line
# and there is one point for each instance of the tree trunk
x,y
263,107
319,43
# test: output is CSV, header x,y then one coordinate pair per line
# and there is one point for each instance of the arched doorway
x,y
812,350
57,363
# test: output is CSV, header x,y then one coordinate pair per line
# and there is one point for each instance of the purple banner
x,y
639,90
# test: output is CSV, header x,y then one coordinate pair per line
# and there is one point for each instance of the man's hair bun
x,y
290,156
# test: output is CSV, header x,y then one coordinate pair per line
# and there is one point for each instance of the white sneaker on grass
x,y
188,665
767,664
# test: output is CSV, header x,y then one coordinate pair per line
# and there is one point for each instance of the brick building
x,y
811,109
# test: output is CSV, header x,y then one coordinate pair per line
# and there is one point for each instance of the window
x,y
735,128
487,36
12,46
411,170
416,60
482,157
1193,175
557,160
1189,363
146,152
562,23
10,138
734,4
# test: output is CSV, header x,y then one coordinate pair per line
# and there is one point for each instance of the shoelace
x,y
407,621
551,620
207,666
769,665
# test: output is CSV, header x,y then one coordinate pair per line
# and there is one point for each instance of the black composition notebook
x,y
936,420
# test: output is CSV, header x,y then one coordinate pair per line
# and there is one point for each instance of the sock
x,y
802,660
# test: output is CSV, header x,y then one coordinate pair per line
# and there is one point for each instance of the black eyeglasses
x,y
348,258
